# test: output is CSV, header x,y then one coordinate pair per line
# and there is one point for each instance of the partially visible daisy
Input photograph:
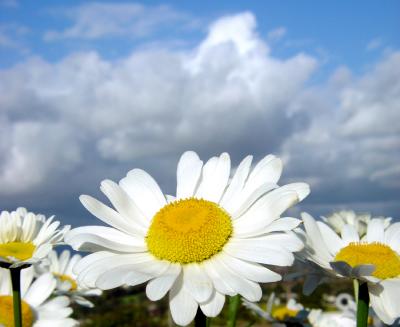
x,y
26,238
38,309
291,311
339,219
320,318
373,259
62,269
207,242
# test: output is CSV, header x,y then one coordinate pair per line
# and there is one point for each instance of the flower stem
x,y
362,305
16,287
234,303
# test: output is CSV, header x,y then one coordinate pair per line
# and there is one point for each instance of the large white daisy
x,y
61,266
373,259
207,242
37,307
26,238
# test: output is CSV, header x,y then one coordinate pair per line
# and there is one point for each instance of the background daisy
x,y
26,238
373,259
38,307
61,266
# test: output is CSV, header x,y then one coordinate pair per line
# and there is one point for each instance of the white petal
x,y
119,276
333,242
282,224
96,238
249,270
376,231
229,199
315,238
214,178
182,305
106,214
159,286
40,290
218,280
268,170
264,212
125,206
188,174
214,305
144,191
197,282
384,299
248,289
349,234
257,251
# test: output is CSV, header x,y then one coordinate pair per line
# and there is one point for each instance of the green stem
x,y
362,305
200,320
16,287
234,303
355,288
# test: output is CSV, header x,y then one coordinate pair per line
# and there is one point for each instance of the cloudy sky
x,y
90,90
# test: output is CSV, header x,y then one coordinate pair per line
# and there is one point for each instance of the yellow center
x,y
66,278
189,230
282,312
21,251
385,260
7,312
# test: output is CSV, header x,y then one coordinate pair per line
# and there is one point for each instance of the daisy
x,y
348,217
62,269
277,312
37,308
373,259
208,241
26,238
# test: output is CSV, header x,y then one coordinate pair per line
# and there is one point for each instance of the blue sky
x,y
89,90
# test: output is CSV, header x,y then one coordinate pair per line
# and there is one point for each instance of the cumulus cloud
x,y
101,19
84,118
351,149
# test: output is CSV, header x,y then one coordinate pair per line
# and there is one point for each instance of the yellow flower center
x,y
282,312
385,260
189,230
7,312
69,279
21,251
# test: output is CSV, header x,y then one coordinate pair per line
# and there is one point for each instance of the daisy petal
x,y
159,286
214,178
144,191
182,305
197,282
249,270
188,174
376,231
214,305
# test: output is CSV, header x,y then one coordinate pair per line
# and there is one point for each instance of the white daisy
x,y
38,309
374,259
203,244
62,269
26,238
277,312
348,217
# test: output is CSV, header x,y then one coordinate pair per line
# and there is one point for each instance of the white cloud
x,y
355,135
276,34
152,103
101,19
374,44
95,118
